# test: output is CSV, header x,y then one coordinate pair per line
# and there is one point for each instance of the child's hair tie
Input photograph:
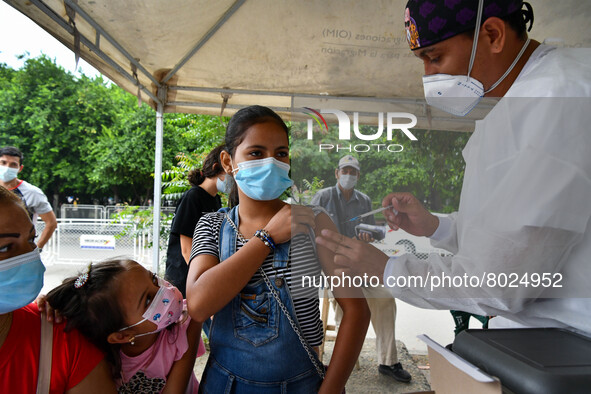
x,y
82,278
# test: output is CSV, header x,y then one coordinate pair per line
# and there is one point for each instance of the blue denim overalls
x,y
253,348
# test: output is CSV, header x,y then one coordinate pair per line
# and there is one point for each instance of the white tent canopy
x,y
190,55
201,56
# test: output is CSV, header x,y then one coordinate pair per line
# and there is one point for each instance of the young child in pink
x,y
155,363
138,320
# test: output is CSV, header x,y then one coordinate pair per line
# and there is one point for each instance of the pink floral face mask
x,y
165,309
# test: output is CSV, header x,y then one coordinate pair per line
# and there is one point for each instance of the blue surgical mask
x,y
263,179
21,280
7,174
223,186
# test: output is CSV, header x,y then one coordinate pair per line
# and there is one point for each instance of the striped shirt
x,y
302,262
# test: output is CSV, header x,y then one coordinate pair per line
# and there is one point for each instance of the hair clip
x,y
83,278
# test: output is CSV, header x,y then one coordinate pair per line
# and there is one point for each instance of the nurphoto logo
x,y
395,121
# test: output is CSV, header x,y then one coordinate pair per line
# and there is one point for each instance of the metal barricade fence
x,y
84,241
80,241
95,232
87,211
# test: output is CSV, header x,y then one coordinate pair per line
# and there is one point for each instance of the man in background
x,y
11,163
343,202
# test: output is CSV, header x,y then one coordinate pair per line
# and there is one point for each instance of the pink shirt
x,y
147,372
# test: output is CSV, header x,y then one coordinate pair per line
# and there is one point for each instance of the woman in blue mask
x,y
246,270
70,364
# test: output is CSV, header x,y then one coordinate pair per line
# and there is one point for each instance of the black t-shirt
x,y
192,205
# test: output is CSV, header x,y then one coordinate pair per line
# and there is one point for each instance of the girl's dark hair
x,y
93,308
239,123
212,166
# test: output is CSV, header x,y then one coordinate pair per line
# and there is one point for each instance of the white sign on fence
x,y
90,241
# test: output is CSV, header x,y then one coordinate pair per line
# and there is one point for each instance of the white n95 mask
x,y
459,94
348,182
454,94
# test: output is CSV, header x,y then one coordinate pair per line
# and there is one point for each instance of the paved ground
x,y
366,379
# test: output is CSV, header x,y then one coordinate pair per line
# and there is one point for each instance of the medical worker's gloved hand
x,y
412,216
357,257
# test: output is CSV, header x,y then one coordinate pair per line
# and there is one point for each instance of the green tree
x,y
39,106
86,137
202,133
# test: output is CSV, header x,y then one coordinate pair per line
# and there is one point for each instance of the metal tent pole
x,y
157,182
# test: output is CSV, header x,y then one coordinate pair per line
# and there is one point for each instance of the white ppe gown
x,y
525,206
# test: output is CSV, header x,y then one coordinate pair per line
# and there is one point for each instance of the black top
x,y
192,205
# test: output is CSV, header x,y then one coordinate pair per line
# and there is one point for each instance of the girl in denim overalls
x,y
256,341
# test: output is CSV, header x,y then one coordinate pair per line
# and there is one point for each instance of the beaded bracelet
x,y
264,236
269,239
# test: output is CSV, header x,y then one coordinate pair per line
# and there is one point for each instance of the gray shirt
x,y
332,199
34,199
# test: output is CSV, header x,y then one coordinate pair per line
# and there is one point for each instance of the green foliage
x,y
201,132
39,110
205,132
305,194
175,180
88,138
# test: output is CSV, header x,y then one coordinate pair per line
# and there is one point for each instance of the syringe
x,y
372,212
